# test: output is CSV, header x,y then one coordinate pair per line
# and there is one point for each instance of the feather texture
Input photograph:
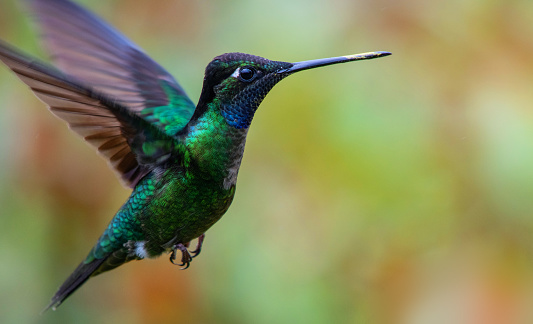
x,y
111,128
87,48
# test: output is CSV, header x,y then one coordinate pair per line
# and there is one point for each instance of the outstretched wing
x,y
132,145
87,48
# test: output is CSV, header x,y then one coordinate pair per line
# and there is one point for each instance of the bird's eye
x,y
247,74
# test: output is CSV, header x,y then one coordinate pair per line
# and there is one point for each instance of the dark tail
x,y
82,273
87,270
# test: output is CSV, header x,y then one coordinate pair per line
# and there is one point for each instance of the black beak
x,y
305,65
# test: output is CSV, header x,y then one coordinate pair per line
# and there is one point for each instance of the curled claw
x,y
186,264
185,256
198,249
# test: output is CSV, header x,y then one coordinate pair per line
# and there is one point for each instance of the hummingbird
x,y
181,160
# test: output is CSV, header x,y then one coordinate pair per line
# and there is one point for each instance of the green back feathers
x,y
173,117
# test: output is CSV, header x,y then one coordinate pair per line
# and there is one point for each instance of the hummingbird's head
x,y
237,83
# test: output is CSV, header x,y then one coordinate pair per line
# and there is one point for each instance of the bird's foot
x,y
186,257
198,249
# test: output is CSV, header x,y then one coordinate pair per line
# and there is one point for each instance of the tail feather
x,y
87,270
82,273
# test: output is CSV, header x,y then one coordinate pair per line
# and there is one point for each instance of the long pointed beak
x,y
305,65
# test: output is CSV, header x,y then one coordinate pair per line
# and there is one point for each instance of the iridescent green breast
x,y
185,207
216,148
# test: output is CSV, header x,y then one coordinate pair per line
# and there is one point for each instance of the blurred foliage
x,y
398,190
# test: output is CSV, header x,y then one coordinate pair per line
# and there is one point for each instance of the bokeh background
x,y
398,190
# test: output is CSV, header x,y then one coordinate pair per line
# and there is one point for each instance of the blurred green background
x,y
398,190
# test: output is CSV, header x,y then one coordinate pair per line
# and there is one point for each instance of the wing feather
x,y
87,48
101,121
